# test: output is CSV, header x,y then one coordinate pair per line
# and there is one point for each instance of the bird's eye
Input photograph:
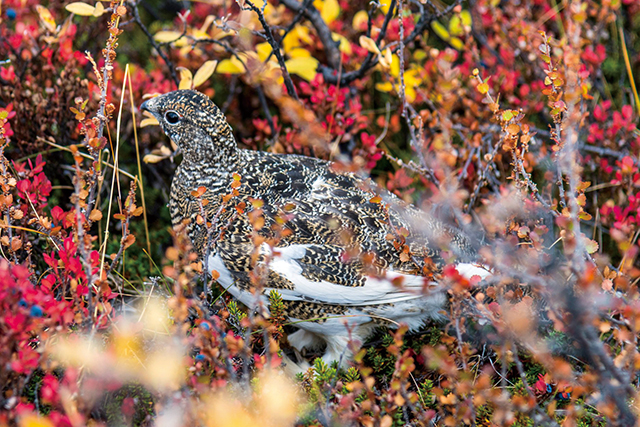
x,y
172,117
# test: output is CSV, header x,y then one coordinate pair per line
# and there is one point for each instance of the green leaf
x,y
440,30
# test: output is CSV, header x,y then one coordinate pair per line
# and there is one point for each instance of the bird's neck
x,y
218,149
207,164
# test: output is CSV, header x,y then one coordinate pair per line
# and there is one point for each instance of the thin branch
x,y
324,33
293,23
423,23
136,17
275,47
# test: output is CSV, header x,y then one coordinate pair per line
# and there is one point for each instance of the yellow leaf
x,y
455,26
369,44
395,66
217,33
303,67
230,66
440,31
360,21
384,7
186,78
412,78
419,55
264,50
330,11
386,58
345,45
483,88
210,19
296,37
204,72
46,18
299,52
199,35
35,421
98,10
384,87
456,43
410,94
507,115
591,246
466,18
167,36
268,9
80,8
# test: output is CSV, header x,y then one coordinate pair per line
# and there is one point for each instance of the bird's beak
x,y
145,106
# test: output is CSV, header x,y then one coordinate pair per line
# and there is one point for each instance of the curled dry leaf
x,y
369,44
152,158
148,120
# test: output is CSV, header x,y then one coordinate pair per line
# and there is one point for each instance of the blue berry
x,y
36,311
11,14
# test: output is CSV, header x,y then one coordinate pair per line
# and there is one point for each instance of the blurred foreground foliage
x,y
514,120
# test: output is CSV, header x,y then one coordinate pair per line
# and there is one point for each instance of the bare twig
x,y
423,23
275,47
324,33
167,61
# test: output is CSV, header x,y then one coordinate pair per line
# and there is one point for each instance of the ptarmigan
x,y
343,261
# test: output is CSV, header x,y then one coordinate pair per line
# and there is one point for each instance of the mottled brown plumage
x,y
325,245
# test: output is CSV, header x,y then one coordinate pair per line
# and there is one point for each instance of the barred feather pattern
x,y
344,260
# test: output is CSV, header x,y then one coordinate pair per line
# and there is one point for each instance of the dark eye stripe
x,y
172,117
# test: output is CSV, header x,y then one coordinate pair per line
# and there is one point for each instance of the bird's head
x,y
194,123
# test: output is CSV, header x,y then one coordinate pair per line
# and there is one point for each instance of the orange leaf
x,y
513,129
130,240
16,244
95,215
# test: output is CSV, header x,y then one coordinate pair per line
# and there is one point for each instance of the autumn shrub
x,y
514,121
